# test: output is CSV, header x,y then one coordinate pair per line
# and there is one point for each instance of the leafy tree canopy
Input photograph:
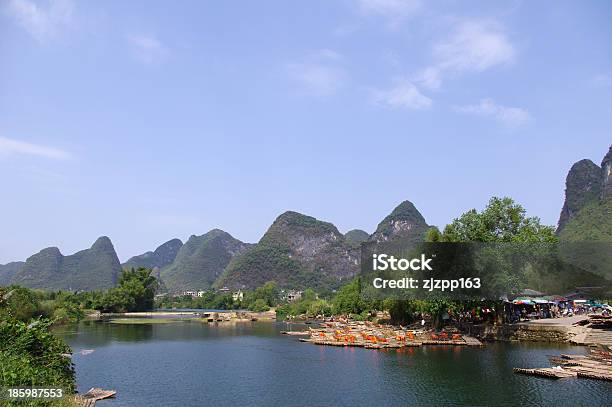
x,y
503,220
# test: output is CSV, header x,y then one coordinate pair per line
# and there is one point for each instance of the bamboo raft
x,y
94,394
296,333
374,336
551,372
596,365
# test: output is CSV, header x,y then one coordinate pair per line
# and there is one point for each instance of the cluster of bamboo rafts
x,y
596,365
377,336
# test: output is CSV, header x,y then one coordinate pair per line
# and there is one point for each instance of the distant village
x,y
285,295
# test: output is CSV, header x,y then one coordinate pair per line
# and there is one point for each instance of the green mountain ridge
x,y
8,271
296,251
163,256
95,268
201,260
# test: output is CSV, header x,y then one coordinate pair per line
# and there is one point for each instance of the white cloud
x,y
321,73
472,47
404,95
147,48
509,116
42,20
394,10
11,147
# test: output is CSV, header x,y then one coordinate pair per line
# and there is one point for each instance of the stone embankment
x,y
574,330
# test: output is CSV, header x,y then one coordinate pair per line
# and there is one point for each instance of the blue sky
x,y
150,120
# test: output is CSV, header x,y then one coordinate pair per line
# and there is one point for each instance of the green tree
x,y
502,220
349,300
433,235
260,305
135,292
21,303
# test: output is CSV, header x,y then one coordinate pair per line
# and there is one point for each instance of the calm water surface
x,y
194,364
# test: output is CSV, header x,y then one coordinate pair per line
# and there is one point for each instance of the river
x,y
190,363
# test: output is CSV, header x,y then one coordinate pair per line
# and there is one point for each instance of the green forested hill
x,y
356,237
201,260
587,210
163,256
296,251
405,222
592,223
90,269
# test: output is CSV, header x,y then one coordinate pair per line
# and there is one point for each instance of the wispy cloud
x,y
473,46
147,48
509,116
395,11
320,73
601,80
16,147
42,20
404,95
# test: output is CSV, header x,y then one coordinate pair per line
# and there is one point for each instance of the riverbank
x,y
575,330
207,315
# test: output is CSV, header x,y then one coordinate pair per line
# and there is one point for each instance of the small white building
x,y
237,295
294,295
201,293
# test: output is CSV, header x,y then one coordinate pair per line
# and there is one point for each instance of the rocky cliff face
x,y
201,260
587,211
90,269
163,256
586,185
296,251
583,184
606,174
405,223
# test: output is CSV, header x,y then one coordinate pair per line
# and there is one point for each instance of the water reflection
x,y
187,363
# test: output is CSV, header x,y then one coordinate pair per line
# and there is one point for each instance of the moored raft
x,y
551,372
94,394
596,365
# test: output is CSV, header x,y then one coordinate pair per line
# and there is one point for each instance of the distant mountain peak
x,y
404,222
583,184
406,210
103,243
163,256
202,259
356,236
291,220
587,209
50,251
94,268
295,249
